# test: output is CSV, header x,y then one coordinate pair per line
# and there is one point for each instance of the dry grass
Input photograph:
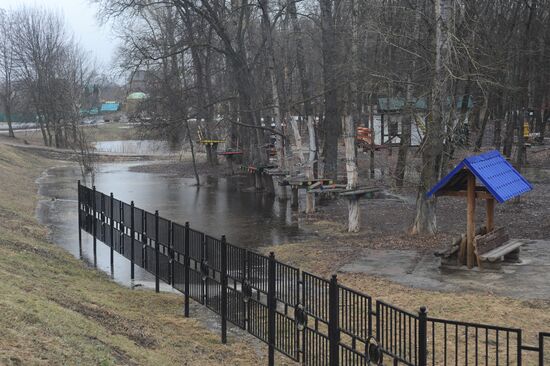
x,y
55,310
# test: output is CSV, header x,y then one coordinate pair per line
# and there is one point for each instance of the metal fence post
x,y
79,221
102,215
333,326
271,308
223,280
133,235
121,228
541,349
157,264
519,344
186,265
94,226
111,227
378,322
422,337
171,252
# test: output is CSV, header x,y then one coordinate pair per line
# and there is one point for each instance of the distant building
x,y
390,112
133,100
109,107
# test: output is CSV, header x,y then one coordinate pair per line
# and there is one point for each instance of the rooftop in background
x,y
110,107
136,96
493,170
398,104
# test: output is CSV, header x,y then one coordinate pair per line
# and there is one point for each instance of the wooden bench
x,y
495,247
491,249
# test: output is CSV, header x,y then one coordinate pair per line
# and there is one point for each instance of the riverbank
x,y
99,132
56,310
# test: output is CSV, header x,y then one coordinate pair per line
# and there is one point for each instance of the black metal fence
x,y
307,318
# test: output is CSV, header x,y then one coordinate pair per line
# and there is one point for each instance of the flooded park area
x,y
228,205
220,206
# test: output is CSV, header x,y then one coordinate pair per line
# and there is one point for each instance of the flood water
x,y
219,207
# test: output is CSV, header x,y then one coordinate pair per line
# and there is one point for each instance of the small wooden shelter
x,y
500,182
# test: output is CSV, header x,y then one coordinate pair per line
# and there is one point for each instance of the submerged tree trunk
x,y
192,145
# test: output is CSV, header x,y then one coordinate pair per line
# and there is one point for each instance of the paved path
x,y
529,279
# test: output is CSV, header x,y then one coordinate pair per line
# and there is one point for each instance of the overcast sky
x,y
81,19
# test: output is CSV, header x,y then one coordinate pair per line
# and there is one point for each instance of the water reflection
x,y
220,207
138,147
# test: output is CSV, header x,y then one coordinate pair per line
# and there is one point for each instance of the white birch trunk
x,y
354,213
310,197
297,140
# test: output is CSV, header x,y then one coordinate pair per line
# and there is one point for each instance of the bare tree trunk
x,y
8,117
331,123
312,157
484,116
520,151
276,84
425,221
509,133
405,142
497,139
192,145
297,140
354,212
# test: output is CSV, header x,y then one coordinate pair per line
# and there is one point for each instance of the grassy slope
x,y
55,310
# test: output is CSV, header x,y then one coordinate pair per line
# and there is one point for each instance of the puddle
x,y
529,279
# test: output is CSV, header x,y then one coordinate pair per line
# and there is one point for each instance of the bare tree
x,y
7,67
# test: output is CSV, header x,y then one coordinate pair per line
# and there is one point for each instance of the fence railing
x,y
305,317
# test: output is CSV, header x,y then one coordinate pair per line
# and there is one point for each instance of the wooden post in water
x,y
470,220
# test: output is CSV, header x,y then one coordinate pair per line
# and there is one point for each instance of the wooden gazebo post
x,y
470,219
490,214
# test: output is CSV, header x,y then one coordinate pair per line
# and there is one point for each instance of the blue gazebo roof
x,y
497,175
